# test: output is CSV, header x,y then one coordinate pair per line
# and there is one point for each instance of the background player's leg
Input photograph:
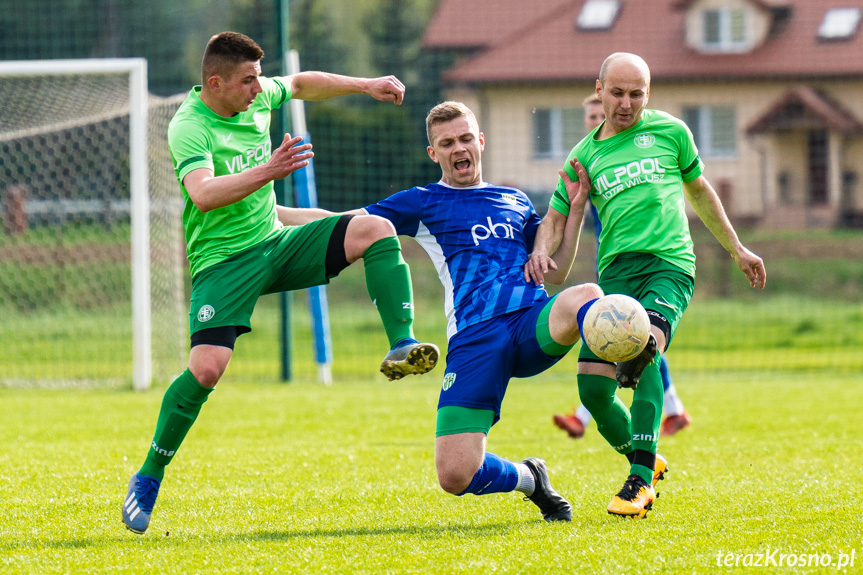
x,y
574,423
583,415
676,417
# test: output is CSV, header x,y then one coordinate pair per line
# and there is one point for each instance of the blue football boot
x,y
409,358
139,502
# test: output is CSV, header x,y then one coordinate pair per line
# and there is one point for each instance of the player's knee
x,y
208,374
587,292
376,228
363,231
454,479
453,482
576,296
569,302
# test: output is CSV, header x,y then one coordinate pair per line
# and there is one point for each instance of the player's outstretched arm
x,y
314,86
209,192
707,205
548,237
558,234
299,216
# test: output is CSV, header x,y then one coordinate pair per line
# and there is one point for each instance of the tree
x,y
315,36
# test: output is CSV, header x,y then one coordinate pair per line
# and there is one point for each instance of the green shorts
x,y
225,293
660,286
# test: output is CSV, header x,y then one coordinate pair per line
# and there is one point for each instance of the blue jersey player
x,y
499,326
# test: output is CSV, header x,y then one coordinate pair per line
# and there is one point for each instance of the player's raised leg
x,y
389,284
567,313
564,329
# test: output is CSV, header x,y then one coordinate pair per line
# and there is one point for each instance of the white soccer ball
x,y
616,327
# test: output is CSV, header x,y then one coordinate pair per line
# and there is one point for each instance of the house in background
x,y
772,90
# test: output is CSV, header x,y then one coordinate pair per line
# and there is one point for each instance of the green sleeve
x,y
190,147
277,90
689,162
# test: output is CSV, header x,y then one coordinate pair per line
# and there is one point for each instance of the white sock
x,y
673,405
526,482
583,415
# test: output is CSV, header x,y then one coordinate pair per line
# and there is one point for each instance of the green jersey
x,y
637,178
200,138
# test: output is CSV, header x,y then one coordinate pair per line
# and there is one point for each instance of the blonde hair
x,y
444,112
592,99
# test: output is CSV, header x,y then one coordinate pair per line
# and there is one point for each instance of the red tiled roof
x,y
539,42
764,3
806,107
483,23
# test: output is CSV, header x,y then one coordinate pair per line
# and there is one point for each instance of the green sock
x,y
644,472
646,415
599,395
180,407
388,280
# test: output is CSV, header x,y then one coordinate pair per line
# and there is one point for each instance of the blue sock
x,y
495,475
663,372
582,311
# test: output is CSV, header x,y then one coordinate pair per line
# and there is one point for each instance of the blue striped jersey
x,y
479,239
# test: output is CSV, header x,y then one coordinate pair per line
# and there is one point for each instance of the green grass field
x,y
303,478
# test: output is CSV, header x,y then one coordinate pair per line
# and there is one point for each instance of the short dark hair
x,y
444,112
225,51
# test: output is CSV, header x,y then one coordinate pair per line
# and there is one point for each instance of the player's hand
x,y
536,268
290,156
577,191
753,266
387,89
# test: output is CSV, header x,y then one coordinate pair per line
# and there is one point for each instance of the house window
x,y
724,30
556,131
839,24
714,129
598,14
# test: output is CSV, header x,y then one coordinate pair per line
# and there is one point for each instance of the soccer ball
x,y
616,328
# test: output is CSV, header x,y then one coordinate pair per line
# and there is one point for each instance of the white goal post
x,y
139,158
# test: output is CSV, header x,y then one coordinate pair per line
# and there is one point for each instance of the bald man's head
x,y
624,87
624,59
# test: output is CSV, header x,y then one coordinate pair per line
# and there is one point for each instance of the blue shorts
x,y
483,357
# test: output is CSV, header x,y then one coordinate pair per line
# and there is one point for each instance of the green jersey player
x,y
642,164
575,423
241,245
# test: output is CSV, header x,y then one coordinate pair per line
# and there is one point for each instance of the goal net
x,y
92,260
